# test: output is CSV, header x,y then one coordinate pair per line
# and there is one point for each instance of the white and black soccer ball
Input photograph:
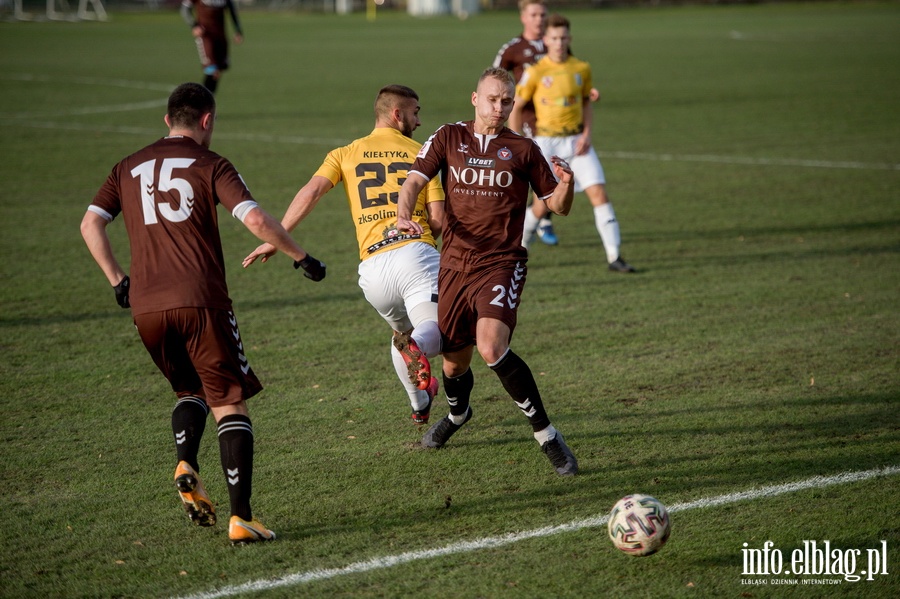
x,y
639,525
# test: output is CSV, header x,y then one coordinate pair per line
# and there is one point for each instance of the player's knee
x,y
492,353
423,312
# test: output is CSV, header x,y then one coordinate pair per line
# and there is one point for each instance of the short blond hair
x,y
498,73
523,4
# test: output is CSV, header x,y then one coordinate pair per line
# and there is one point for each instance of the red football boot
x,y
416,362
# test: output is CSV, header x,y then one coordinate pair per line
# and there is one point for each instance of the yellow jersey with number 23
x,y
373,168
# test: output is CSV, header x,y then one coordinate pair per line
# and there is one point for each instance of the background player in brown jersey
x,y
486,171
208,29
167,194
524,50
515,56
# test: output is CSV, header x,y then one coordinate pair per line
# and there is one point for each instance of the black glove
x,y
122,290
312,268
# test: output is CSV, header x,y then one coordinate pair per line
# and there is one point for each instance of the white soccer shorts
x,y
395,281
587,168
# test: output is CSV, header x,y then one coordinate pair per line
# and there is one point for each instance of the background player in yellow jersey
x,y
517,55
559,85
398,271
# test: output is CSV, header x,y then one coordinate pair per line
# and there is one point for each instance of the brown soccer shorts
x,y
463,298
199,350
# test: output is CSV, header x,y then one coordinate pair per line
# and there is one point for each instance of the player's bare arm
x,y
406,203
301,206
93,230
583,145
238,36
561,200
267,229
435,218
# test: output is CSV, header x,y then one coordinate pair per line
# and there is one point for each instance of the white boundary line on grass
x,y
387,561
26,119
885,166
20,121
160,131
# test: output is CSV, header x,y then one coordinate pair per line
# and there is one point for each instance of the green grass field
x,y
752,156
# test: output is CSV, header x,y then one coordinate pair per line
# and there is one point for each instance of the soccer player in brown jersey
x,y
208,29
486,171
397,273
167,194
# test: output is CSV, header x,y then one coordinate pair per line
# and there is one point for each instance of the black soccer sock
x,y
458,389
236,449
188,423
521,386
210,83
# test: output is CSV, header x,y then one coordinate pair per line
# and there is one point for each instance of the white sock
x,y
458,420
420,401
608,227
545,222
531,225
548,434
417,399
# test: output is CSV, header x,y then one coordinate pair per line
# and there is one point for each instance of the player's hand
x,y
405,225
561,169
582,145
238,38
312,268
197,31
263,252
122,290
594,94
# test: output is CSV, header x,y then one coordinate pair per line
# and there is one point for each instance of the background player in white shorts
x,y
397,272
517,55
559,85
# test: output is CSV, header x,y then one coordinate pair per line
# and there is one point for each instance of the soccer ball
x,y
639,525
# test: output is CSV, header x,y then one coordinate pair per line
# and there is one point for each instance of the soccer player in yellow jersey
x,y
559,86
398,271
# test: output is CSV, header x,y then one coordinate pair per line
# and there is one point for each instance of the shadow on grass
x,y
765,450
288,301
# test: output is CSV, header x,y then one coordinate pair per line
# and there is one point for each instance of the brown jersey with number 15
x,y
486,181
167,194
